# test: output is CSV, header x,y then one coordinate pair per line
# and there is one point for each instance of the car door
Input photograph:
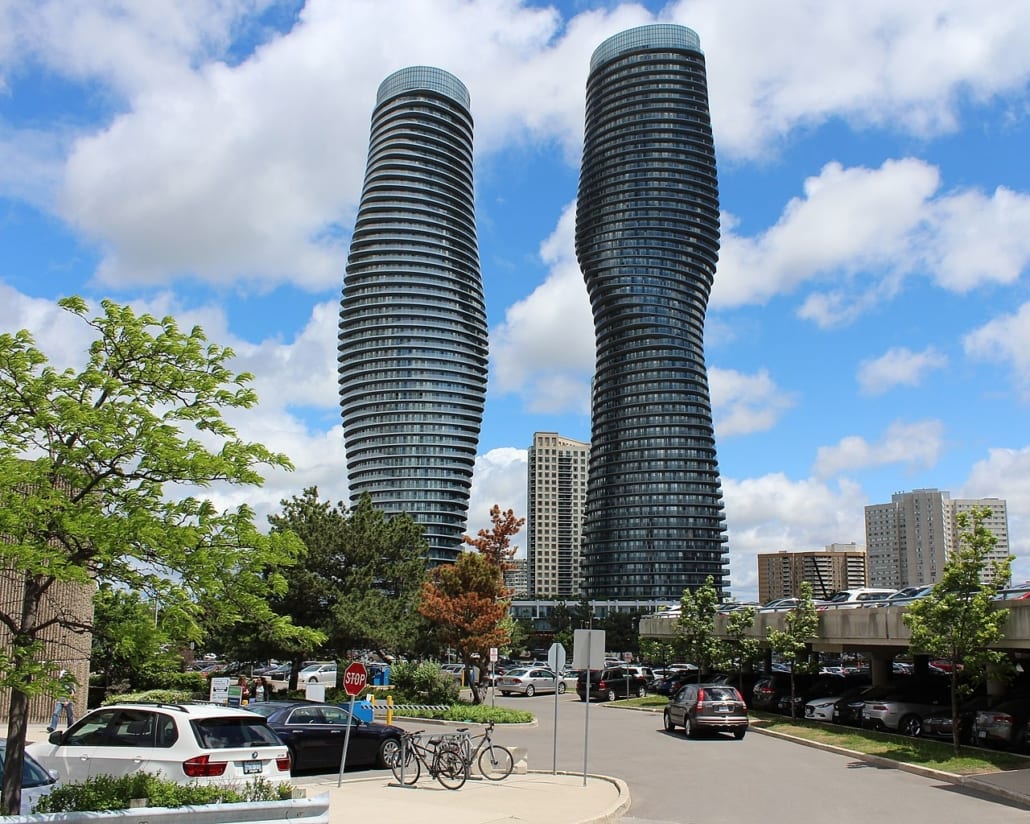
x,y
678,705
362,746
92,747
128,744
542,680
311,739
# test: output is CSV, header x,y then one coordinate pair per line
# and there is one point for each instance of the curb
x,y
614,814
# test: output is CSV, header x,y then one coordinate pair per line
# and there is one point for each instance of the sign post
x,y
354,680
556,661
587,653
493,676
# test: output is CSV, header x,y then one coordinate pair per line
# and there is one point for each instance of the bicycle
x,y
495,762
441,756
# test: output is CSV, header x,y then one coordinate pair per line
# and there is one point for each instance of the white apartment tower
x,y
556,497
909,540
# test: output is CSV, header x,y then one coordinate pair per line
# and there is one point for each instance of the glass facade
x,y
413,334
647,239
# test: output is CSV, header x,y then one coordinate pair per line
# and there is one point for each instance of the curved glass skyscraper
x,y
413,334
647,239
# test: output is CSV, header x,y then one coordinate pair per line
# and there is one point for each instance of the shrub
x,y
474,713
423,683
107,792
156,697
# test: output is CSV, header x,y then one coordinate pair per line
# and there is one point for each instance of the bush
x,y
107,792
474,713
423,683
157,697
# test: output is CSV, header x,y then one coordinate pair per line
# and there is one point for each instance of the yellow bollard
x,y
389,709
372,703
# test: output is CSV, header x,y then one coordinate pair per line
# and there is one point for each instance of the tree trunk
x,y
17,729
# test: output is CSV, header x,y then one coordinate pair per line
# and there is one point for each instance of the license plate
x,y
251,767
722,709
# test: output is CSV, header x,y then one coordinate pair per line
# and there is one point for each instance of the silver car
x,y
35,780
529,681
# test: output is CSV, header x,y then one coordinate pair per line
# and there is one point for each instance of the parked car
x,y
1004,726
182,742
771,687
904,597
609,684
824,685
903,709
318,674
938,724
707,708
36,780
529,681
821,708
315,732
671,684
856,598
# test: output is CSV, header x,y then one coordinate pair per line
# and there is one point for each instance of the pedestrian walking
x,y
64,702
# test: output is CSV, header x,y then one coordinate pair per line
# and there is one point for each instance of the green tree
x,y
358,583
100,475
958,620
791,642
621,631
695,627
129,646
563,624
741,648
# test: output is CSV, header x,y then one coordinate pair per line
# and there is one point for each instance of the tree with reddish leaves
x,y
495,544
467,600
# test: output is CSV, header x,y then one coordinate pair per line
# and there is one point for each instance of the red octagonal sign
x,y
354,679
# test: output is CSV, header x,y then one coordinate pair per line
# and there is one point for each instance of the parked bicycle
x,y
441,756
495,762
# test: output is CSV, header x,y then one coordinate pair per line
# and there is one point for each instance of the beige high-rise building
x,y
838,566
910,539
556,497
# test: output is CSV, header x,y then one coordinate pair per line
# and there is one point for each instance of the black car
x,y
768,690
611,683
314,734
671,684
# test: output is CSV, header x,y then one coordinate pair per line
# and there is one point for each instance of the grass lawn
x,y
935,755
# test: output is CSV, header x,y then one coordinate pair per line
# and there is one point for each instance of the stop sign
x,y
354,679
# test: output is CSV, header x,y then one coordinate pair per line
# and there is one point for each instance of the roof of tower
x,y
428,78
656,35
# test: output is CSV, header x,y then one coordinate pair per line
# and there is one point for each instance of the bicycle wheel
x,y
412,770
451,769
496,763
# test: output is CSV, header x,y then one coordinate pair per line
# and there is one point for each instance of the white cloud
x,y
915,445
1005,339
500,477
773,512
745,403
1005,473
898,366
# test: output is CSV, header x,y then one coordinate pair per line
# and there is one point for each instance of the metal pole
x,y
554,750
586,716
346,741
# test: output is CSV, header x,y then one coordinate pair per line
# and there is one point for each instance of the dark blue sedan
x,y
315,734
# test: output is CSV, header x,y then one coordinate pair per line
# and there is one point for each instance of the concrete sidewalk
x,y
530,798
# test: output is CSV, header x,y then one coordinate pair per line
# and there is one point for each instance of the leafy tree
x,y
791,642
958,620
696,626
98,474
563,624
357,584
620,631
467,601
495,543
520,634
655,653
740,646
129,647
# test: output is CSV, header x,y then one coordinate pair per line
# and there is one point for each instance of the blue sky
x,y
869,330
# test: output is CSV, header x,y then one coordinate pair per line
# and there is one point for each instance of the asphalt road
x,y
722,781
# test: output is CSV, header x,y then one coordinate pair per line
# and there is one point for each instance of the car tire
x,y
911,725
688,729
669,726
561,688
530,691
611,695
294,766
505,692
582,698
641,691
389,753
739,734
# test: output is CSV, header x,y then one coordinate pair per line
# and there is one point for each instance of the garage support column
x,y
881,667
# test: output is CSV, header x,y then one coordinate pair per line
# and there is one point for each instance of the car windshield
x,y
223,733
263,709
517,672
32,773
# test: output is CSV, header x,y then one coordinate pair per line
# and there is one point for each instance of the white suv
x,y
183,742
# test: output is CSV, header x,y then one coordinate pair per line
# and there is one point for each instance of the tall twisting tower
x,y
647,239
413,334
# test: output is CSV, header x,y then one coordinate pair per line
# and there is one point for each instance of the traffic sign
x,y
354,679
556,658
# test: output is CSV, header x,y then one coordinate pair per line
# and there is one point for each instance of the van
x,y
856,598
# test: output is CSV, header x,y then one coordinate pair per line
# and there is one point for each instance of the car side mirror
x,y
56,737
